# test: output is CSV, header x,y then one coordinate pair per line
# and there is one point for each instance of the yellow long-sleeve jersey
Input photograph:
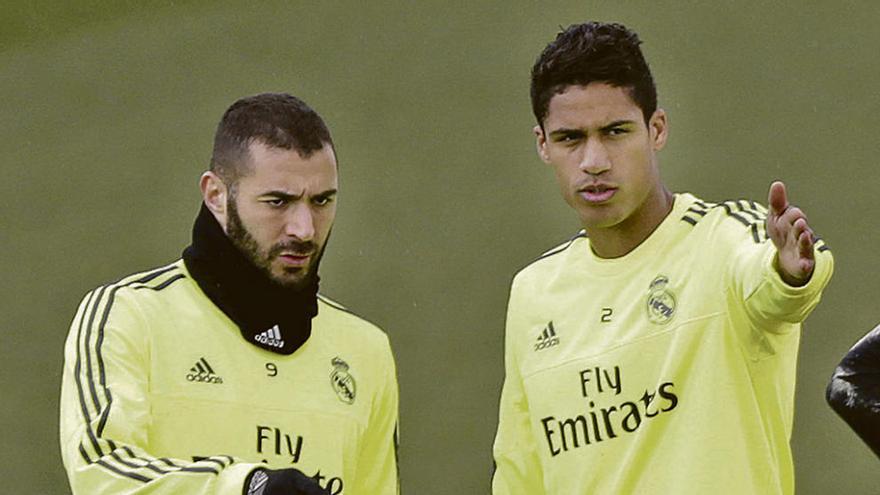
x,y
161,394
668,370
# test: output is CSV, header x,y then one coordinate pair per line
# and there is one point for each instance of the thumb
x,y
777,199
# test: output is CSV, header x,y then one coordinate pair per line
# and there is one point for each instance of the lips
x,y
295,259
597,193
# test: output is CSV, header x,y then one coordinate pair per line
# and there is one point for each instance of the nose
x,y
595,159
300,223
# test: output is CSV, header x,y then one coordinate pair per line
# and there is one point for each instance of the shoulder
x,y
118,306
736,220
554,256
352,326
139,285
551,260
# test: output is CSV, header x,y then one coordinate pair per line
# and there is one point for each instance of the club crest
x,y
661,301
343,383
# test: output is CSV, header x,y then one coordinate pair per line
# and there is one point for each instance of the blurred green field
x,y
108,109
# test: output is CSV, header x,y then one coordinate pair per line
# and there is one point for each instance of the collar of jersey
x,y
244,294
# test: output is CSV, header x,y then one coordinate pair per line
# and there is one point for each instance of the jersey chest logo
x,y
661,301
547,338
202,372
343,383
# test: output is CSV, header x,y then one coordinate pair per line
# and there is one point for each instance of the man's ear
x,y
541,144
658,125
215,195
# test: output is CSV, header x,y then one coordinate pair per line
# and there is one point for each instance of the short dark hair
x,y
279,120
593,52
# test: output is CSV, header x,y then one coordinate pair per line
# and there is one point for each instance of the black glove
x,y
281,482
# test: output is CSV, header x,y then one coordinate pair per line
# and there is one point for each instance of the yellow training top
x,y
668,370
161,394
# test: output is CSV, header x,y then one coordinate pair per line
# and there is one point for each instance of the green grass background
x,y
107,109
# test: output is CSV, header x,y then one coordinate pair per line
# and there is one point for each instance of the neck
x,y
619,240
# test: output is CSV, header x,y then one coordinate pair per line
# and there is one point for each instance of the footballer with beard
x,y
226,372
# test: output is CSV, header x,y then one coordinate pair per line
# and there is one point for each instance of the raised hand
x,y
788,229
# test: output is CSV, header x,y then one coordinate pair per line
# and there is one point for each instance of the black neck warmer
x,y
269,316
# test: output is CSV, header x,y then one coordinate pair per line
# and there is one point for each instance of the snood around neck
x,y
272,317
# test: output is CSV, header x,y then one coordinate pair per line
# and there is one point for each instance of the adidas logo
x,y
547,338
202,372
271,337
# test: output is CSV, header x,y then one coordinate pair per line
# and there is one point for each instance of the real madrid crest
x,y
343,383
661,301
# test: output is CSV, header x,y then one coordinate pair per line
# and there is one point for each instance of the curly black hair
x,y
593,52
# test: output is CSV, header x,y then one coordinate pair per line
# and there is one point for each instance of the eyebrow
x,y
617,123
579,132
286,196
566,132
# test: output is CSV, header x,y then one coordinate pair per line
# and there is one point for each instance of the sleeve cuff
x,y
819,279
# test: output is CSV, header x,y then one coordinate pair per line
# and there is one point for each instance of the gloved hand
x,y
281,482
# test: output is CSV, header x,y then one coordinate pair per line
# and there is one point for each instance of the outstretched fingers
x,y
790,231
805,239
